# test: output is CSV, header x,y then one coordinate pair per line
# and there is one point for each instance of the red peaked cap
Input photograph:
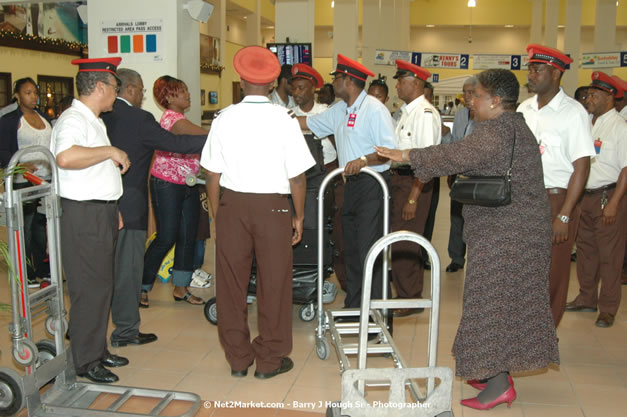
x,y
256,65
545,55
98,65
602,81
353,68
620,82
405,69
308,73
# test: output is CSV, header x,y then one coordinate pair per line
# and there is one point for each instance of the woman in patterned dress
x,y
506,323
175,204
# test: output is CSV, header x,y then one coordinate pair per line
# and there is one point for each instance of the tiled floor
x,y
590,382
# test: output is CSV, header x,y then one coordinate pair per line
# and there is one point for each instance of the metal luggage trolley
x,y
436,401
46,360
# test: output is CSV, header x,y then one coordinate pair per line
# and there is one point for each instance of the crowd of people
x,y
567,160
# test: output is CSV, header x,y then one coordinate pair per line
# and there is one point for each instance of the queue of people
x,y
568,179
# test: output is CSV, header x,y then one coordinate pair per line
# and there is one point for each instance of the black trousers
x,y
362,224
89,233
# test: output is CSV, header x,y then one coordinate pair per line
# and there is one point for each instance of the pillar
x,y
345,29
298,30
535,35
572,39
550,23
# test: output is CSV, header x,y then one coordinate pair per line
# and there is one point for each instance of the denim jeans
x,y
35,239
176,212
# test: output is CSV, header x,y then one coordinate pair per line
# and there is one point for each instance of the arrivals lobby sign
x,y
135,40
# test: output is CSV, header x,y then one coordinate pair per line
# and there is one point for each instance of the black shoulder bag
x,y
484,191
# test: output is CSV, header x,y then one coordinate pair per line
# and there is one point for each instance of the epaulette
x,y
216,114
428,110
291,113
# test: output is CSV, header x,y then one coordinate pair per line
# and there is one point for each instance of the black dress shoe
x,y
100,375
404,312
573,306
113,361
243,372
286,365
140,339
454,267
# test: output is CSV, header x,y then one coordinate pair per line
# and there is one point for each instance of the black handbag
x,y
487,191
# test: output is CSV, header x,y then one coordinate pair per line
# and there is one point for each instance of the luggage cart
x,y
436,401
326,319
46,361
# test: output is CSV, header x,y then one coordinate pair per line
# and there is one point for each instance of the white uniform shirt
x,y
79,126
563,131
257,147
419,125
611,130
27,136
275,98
328,150
623,112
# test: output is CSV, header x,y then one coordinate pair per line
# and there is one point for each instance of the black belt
x,y
600,189
405,171
361,175
556,190
91,201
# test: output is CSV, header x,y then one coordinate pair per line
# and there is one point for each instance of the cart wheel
x,y
27,357
47,351
307,312
211,311
51,325
11,392
322,348
335,410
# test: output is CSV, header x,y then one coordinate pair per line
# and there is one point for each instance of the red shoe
x,y
481,385
507,397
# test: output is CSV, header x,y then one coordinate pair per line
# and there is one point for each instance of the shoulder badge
x,y
428,110
216,114
291,113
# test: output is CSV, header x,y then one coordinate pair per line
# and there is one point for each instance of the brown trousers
x,y
407,263
560,259
599,254
261,225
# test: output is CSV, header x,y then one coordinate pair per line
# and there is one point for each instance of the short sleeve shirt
x,y
328,150
171,166
610,143
357,129
563,131
79,126
419,125
257,146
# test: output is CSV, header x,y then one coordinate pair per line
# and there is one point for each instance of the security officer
x,y
562,128
359,122
257,153
418,127
90,185
601,234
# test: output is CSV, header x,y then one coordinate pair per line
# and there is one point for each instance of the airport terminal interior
x,y
591,380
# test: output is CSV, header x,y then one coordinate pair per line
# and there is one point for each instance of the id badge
x,y
351,120
597,146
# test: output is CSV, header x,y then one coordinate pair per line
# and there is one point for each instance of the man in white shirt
x,y
282,93
90,184
601,235
256,152
418,127
562,128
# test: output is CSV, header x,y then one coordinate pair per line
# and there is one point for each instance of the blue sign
x,y
416,57
464,60
623,59
435,78
515,62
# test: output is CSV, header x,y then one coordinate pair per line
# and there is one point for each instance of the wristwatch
x,y
363,158
410,201
563,218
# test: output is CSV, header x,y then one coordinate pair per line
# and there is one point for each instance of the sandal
x,y
189,298
143,302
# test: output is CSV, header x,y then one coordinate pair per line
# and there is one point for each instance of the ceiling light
x,y
560,26
509,26
472,3
430,26
332,4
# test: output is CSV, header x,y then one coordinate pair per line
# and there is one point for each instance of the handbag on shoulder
x,y
487,191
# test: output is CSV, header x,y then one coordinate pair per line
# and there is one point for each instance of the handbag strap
x,y
511,160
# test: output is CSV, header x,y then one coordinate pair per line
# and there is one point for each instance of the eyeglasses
x,y
143,90
115,87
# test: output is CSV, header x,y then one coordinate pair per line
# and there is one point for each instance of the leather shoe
x,y
140,339
100,375
605,320
113,361
404,312
243,372
573,306
454,267
286,365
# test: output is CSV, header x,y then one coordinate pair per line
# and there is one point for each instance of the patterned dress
x,y
506,322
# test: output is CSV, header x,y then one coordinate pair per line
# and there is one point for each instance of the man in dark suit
x,y
137,133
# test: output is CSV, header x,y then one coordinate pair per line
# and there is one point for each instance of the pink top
x,y
170,166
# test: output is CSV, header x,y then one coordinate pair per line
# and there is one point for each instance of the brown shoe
x,y
573,306
404,312
605,320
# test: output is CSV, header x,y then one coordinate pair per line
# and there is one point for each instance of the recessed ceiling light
x,y
472,3
560,26
509,26
430,26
